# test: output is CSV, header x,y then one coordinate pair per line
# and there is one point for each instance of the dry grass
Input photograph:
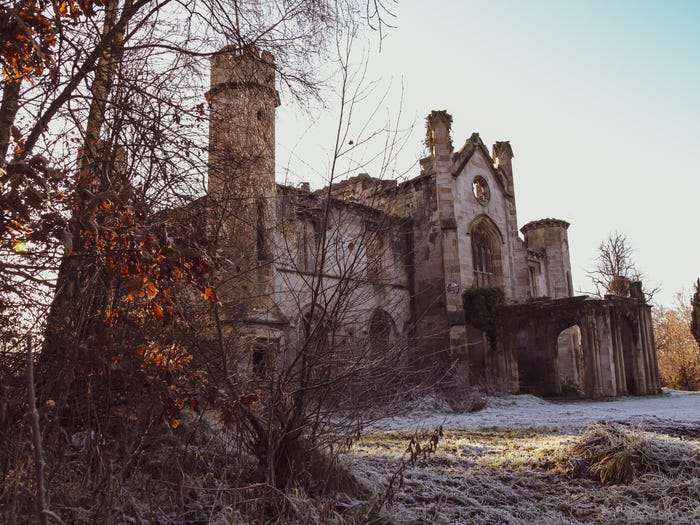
x,y
180,477
612,454
494,477
485,477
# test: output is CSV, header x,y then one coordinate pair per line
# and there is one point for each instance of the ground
x,y
496,465
526,411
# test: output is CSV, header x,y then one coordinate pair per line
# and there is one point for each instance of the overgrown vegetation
x,y
481,309
615,268
677,350
145,410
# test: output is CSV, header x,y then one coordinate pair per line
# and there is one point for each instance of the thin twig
x,y
42,513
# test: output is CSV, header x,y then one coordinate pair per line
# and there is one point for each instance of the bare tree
x,y
100,149
615,268
296,406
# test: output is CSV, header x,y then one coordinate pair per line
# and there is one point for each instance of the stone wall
x,y
406,250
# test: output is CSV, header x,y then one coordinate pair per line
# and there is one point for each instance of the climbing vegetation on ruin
x,y
481,308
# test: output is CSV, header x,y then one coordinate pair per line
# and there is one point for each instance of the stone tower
x,y
550,237
241,183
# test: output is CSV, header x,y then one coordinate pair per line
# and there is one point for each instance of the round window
x,y
481,190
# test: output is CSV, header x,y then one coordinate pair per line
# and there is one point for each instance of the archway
x,y
381,331
570,361
629,339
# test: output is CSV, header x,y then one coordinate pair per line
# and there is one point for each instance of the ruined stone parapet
x,y
502,155
544,223
247,68
438,138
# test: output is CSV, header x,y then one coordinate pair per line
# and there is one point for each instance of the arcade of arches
x,y
598,347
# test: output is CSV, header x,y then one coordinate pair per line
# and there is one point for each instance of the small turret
x,y
550,237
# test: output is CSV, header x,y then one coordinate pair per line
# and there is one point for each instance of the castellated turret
x,y
550,237
241,183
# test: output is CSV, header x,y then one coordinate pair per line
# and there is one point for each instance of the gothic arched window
x,y
486,254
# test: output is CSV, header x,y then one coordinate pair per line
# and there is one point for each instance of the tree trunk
x,y
82,287
8,111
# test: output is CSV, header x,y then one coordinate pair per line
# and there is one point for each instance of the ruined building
x,y
406,252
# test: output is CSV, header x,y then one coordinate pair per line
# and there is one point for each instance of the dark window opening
x,y
534,285
380,328
259,361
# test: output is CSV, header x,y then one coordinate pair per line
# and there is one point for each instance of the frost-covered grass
x,y
494,476
526,411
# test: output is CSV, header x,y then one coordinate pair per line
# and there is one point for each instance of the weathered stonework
x,y
414,247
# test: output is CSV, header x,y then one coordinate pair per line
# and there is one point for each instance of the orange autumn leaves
x,y
29,33
170,366
146,259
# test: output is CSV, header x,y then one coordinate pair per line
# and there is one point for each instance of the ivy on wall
x,y
481,309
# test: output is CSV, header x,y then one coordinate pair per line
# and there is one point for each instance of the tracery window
x,y
486,256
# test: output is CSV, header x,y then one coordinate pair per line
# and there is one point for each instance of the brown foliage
x,y
678,352
29,33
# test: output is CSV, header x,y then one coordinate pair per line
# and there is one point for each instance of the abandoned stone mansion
x,y
401,255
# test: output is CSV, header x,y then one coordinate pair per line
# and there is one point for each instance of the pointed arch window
x,y
486,255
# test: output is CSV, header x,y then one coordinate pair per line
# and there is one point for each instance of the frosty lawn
x,y
526,460
525,411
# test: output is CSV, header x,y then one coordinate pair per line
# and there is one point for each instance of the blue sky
x,y
600,101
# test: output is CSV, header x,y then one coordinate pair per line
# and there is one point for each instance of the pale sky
x,y
600,101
